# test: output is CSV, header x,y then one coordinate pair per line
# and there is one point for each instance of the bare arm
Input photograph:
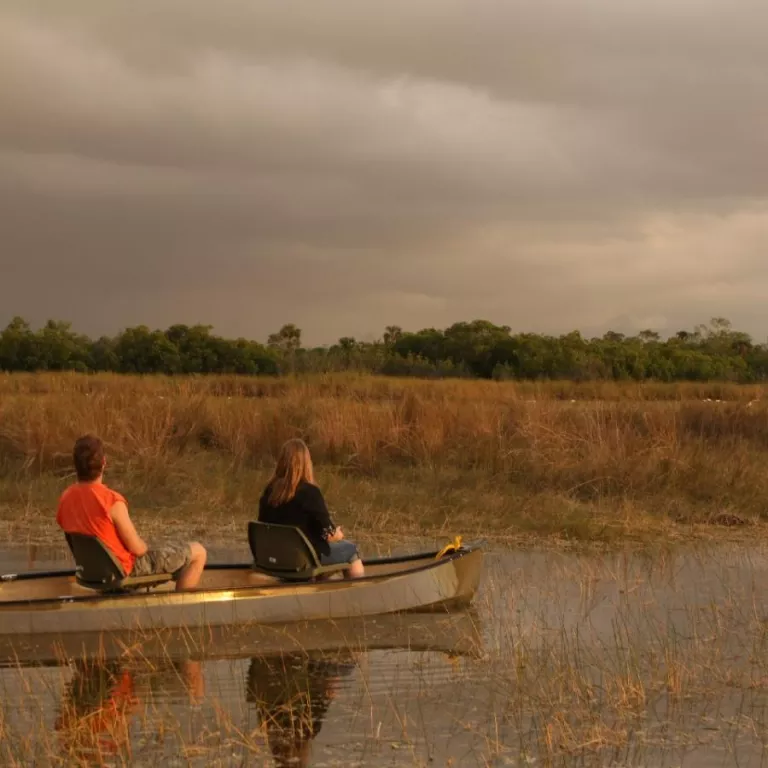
x,y
337,536
126,530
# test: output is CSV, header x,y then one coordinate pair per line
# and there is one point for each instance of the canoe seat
x,y
97,568
286,553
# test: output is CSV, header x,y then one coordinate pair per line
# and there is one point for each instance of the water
x,y
625,659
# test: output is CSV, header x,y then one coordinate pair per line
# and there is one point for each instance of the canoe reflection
x,y
125,697
102,696
456,632
292,694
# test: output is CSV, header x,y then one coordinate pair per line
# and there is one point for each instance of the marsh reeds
x,y
586,461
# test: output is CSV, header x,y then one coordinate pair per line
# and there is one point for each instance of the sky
x,y
545,164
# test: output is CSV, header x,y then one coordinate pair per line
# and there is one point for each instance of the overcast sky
x,y
346,165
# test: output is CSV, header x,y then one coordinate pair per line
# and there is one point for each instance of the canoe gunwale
x,y
429,558
394,560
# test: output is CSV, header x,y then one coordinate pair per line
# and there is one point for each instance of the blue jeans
x,y
341,552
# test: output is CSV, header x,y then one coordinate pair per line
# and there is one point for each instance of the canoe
x,y
231,594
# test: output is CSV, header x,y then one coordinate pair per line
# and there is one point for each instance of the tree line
x,y
476,349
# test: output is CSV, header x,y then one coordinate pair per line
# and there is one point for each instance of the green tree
x,y
143,351
103,355
60,349
197,348
287,339
649,336
474,344
18,347
392,334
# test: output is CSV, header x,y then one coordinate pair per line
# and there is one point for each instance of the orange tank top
x,y
84,508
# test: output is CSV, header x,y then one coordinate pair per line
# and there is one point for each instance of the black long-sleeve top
x,y
306,511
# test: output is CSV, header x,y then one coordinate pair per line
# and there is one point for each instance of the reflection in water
x,y
129,703
102,697
95,710
570,660
105,698
292,694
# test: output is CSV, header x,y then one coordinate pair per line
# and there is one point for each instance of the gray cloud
x,y
546,165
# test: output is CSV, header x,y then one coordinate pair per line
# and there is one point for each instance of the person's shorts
x,y
341,552
168,558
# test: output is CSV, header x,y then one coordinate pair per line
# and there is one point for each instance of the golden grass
x,y
369,387
590,461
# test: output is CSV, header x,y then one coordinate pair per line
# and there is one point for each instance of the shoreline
x,y
20,532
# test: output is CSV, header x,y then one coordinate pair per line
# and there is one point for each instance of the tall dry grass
x,y
491,446
370,387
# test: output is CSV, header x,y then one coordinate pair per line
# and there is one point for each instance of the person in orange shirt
x,y
90,507
95,714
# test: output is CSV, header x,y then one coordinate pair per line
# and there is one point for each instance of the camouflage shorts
x,y
168,558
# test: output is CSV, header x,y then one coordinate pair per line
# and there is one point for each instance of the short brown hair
x,y
88,455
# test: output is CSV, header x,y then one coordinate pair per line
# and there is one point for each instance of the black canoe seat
x,y
286,553
97,568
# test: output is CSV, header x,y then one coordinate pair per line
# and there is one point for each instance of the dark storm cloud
x,y
547,165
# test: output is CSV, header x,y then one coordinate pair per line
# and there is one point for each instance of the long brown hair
x,y
294,464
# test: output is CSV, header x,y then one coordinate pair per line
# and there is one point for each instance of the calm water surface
x,y
613,660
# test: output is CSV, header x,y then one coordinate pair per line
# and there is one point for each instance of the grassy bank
x,y
589,461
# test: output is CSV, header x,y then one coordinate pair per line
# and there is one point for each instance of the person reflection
x,y
96,709
102,697
292,694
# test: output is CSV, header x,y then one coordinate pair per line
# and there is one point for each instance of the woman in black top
x,y
292,498
292,694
